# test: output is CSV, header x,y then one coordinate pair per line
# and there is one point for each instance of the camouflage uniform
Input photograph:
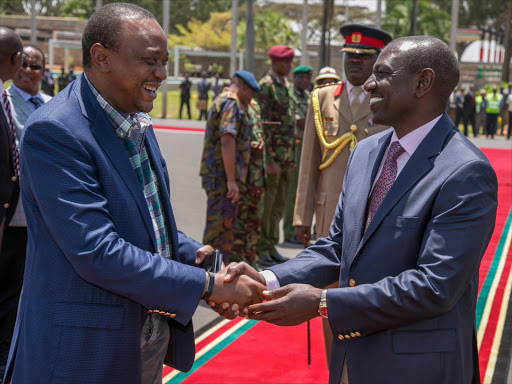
x,y
278,120
301,110
247,228
226,116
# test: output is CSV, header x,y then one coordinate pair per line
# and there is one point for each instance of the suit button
x,y
347,336
352,334
13,178
6,205
358,334
172,315
340,336
352,282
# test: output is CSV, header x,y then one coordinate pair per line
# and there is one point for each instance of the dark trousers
x,y
12,266
185,102
458,116
470,118
491,123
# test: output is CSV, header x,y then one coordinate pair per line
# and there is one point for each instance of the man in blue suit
x,y
414,218
109,285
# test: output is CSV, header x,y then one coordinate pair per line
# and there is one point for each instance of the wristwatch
x,y
209,289
322,307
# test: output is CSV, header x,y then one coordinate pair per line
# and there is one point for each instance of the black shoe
x,y
293,240
278,258
265,262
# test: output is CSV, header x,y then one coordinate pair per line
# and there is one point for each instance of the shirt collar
x,y
27,96
124,124
412,140
349,87
275,76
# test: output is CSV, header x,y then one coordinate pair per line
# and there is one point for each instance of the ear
x,y
425,82
100,58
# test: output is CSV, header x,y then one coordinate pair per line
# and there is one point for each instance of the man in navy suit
x,y
110,285
414,218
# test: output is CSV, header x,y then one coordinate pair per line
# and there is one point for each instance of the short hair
x,y
33,46
106,27
433,53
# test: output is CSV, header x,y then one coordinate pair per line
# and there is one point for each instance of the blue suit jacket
x,y
91,269
414,270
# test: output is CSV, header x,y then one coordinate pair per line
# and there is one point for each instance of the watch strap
x,y
211,283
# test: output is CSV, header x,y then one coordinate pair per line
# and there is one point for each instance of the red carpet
x,y
248,352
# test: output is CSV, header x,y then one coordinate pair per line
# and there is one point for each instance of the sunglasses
x,y
33,67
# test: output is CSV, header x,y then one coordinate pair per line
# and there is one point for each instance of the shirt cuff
x,y
270,280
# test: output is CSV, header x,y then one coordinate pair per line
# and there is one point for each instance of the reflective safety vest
x,y
478,103
493,102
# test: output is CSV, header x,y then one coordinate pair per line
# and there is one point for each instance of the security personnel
x,y
338,117
225,159
480,105
492,111
326,75
247,227
278,119
301,83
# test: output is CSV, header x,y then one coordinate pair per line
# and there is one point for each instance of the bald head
x,y
11,50
416,53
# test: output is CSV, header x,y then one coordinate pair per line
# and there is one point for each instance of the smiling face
x,y
358,67
31,72
392,87
135,71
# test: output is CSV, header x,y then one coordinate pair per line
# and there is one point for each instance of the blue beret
x,y
249,79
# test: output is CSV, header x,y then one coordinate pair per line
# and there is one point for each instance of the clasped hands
x,y
240,290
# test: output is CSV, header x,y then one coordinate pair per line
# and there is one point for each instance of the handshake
x,y
239,290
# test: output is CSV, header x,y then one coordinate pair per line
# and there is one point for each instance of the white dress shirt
x,y
409,142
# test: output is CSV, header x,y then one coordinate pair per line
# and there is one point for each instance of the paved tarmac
x,y
182,151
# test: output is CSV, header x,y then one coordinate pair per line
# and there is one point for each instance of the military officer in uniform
x,y
278,119
301,83
338,117
326,75
225,160
247,227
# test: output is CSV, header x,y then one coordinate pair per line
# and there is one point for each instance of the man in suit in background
x,y
415,217
11,57
110,285
24,98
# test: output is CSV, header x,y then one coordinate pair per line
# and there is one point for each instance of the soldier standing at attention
x,y
301,83
338,117
247,228
278,118
225,159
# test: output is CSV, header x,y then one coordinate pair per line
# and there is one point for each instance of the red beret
x,y
280,52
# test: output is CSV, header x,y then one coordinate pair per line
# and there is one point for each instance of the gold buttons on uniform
x,y
353,128
352,282
13,178
326,133
340,336
6,205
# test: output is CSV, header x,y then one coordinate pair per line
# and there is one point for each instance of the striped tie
x,y
15,154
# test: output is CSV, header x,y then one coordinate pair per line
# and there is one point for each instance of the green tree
x,y
432,20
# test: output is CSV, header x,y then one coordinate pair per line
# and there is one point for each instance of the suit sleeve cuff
x,y
271,280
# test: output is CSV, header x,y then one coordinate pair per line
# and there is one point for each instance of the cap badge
x,y
356,37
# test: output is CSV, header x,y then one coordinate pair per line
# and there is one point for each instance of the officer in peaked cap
x,y
338,117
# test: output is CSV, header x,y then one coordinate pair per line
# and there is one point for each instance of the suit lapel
x,y
372,166
342,105
104,132
21,105
418,165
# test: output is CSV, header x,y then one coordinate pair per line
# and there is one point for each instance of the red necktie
x,y
15,154
385,181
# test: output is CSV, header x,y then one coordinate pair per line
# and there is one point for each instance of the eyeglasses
x,y
22,54
32,67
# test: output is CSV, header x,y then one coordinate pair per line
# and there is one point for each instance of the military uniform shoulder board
x,y
339,89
